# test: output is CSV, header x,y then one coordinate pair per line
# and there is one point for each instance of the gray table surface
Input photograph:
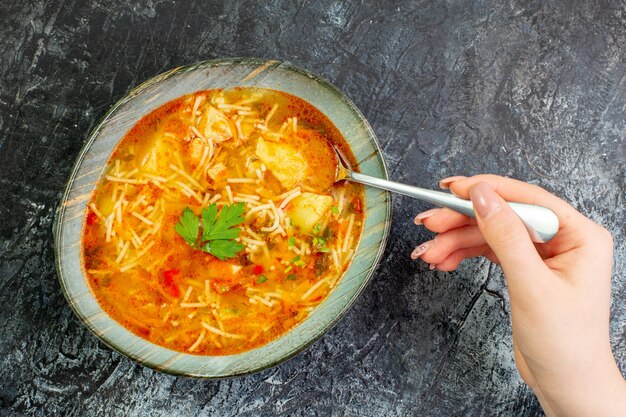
x,y
529,89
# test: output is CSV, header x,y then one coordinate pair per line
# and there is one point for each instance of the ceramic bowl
x,y
127,112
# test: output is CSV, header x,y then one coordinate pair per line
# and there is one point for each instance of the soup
x,y
216,226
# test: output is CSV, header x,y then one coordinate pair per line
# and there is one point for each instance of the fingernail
x,y
454,194
421,249
445,183
423,215
485,199
432,266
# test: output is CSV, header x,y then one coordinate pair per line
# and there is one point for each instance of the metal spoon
x,y
541,222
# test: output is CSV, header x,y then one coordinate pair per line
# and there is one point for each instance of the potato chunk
x,y
283,161
308,209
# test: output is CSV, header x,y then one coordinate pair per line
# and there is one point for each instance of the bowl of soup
x,y
202,233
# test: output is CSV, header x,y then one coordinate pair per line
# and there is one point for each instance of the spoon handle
x,y
541,222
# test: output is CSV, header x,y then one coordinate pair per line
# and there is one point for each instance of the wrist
x,y
589,392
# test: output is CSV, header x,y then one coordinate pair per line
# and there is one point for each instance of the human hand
x,y
560,291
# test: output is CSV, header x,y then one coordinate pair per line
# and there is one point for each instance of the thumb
x,y
505,233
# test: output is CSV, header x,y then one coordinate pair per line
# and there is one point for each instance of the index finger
x,y
516,191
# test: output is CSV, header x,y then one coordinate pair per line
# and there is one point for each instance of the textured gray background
x,y
530,89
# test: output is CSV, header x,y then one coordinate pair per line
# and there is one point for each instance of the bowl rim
x,y
57,227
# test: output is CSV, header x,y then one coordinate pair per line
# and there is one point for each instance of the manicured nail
x,y
432,266
420,217
455,194
421,249
486,201
445,183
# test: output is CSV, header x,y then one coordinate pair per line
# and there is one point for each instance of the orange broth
x,y
264,149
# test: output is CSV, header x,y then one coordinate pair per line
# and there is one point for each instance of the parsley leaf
x,y
261,279
218,231
291,241
188,226
221,227
291,277
334,209
223,249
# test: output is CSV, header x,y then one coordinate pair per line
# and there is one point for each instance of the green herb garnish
x,y
188,226
295,261
334,209
218,231
292,241
319,243
291,277
298,262
261,279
